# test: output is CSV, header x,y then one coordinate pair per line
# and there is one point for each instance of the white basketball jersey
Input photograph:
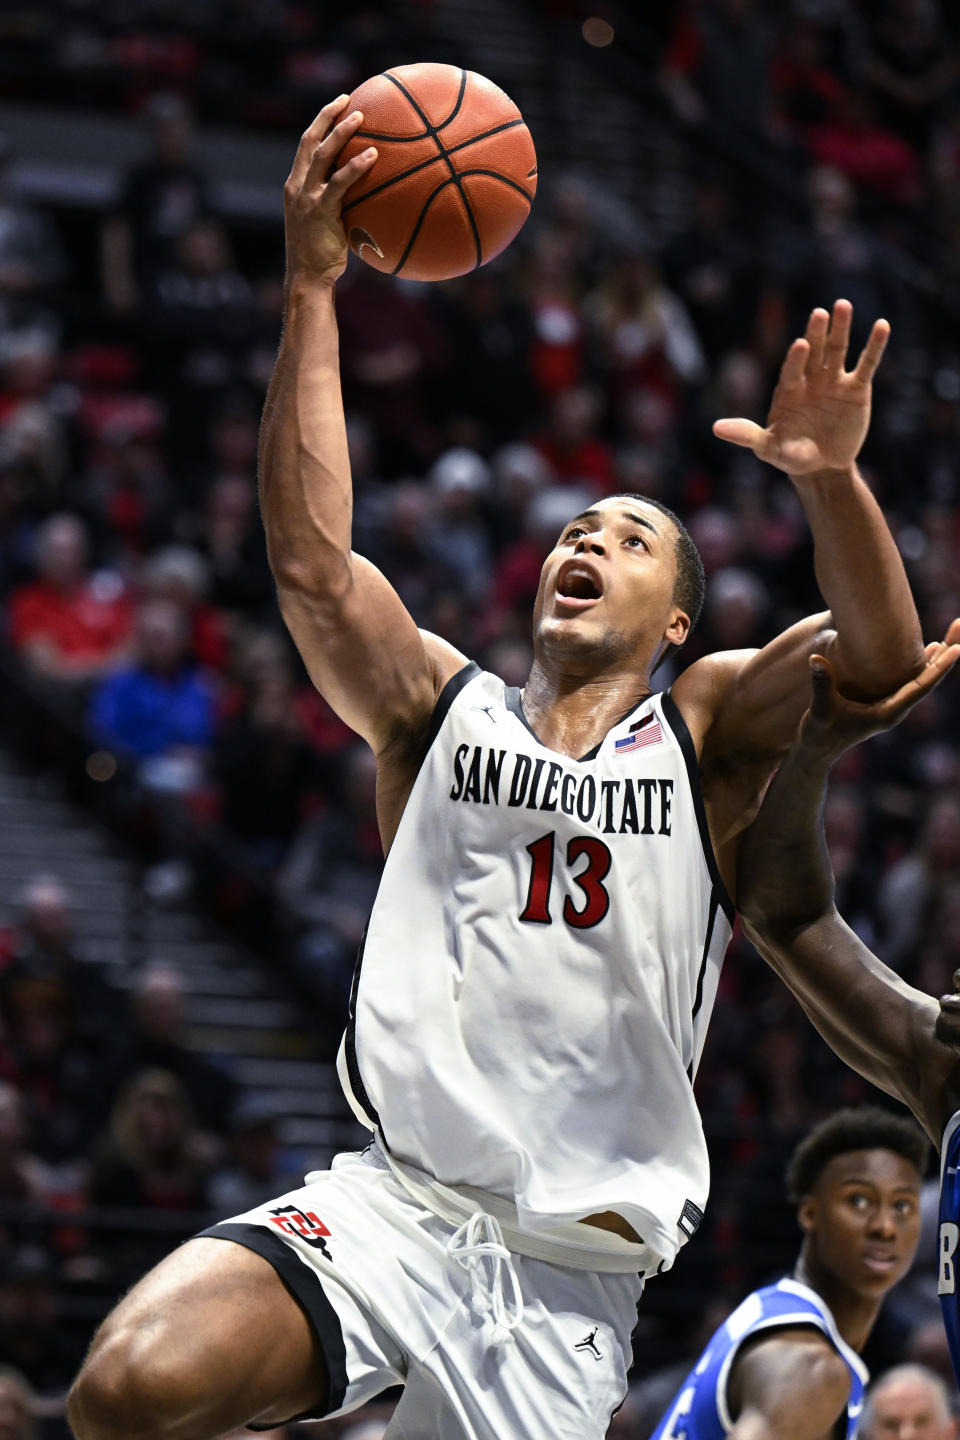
x,y
539,969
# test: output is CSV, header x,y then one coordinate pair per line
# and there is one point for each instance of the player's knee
x,y
127,1386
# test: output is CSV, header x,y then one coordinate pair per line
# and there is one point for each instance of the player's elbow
x,y
325,579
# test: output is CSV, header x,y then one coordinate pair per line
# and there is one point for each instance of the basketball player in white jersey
x,y
543,953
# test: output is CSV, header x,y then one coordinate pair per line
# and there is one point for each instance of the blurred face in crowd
x,y
47,913
606,593
62,551
162,637
862,1220
159,1004
909,1404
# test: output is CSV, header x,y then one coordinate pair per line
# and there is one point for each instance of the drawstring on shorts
x,y
480,1239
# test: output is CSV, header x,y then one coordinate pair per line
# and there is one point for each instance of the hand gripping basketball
x,y
313,194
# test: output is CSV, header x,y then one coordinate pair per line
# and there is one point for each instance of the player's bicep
x,y
366,656
768,690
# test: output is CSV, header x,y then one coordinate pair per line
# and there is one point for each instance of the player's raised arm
x,y
361,647
818,420
877,1023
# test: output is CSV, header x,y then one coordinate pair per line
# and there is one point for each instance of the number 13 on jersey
x,y
589,880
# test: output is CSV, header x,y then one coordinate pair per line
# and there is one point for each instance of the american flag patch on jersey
x,y
649,735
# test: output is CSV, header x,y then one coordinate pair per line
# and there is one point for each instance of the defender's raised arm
x,y
746,705
361,647
878,1024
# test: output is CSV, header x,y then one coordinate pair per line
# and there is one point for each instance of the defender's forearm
x,y
784,876
862,579
305,488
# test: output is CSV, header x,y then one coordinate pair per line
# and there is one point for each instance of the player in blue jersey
x,y
786,1364
903,1041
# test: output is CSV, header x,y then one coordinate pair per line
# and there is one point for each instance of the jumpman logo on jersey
x,y
589,1343
487,710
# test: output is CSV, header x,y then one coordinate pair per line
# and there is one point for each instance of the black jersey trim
x,y
514,703
678,725
306,1287
357,1086
446,698
708,941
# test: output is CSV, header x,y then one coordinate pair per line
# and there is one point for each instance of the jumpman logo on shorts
x,y
589,1342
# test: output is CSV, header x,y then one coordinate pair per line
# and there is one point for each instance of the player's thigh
x,y
207,1341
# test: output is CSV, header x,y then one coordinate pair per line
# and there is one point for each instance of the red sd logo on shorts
x,y
302,1225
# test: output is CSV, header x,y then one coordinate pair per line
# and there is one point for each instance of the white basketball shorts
x,y
487,1345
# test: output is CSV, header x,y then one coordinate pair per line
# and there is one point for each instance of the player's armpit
x,y
366,656
791,1385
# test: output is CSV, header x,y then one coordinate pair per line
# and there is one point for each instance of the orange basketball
x,y
454,178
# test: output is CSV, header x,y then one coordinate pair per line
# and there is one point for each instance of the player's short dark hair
x,y
691,583
867,1128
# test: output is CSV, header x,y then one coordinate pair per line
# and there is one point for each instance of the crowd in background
x,y
587,359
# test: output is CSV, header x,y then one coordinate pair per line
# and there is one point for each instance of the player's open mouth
x,y
579,585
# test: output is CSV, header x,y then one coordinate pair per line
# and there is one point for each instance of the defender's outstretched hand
x,y
833,723
820,411
314,191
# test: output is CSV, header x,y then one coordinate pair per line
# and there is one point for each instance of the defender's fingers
x,y
872,352
795,362
325,156
835,357
341,180
821,679
816,337
316,131
740,432
901,703
952,636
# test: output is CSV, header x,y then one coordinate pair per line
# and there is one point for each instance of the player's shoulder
x,y
777,1370
445,659
700,692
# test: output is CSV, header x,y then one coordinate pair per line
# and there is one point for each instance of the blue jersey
x,y
700,1410
949,1235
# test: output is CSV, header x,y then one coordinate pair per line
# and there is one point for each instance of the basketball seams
x,y
422,164
433,129
452,180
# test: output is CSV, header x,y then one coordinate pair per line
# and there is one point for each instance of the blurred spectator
x,y
913,884
256,1167
574,451
908,1402
230,539
492,397
56,1062
41,944
31,259
393,359
70,624
873,156
21,1174
268,772
911,66
156,1040
33,1336
712,273
151,1155
460,538
160,198
16,1406
160,710
643,332
179,574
